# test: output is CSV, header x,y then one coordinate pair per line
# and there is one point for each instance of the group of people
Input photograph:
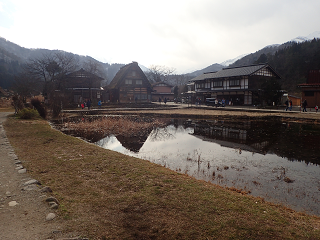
x,y
88,103
305,104
165,100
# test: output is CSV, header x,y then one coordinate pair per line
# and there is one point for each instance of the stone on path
x,y
30,188
46,189
50,216
53,205
19,167
13,203
52,199
32,181
22,170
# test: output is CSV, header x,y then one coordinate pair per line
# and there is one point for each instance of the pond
x,y
277,161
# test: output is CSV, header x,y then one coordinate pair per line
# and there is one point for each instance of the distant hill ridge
x,y
13,55
248,59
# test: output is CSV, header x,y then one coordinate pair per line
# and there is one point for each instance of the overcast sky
x,y
186,35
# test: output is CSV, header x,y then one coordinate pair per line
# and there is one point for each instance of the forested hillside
x,y
293,63
13,57
291,60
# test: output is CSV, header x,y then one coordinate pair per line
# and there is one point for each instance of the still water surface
x,y
276,161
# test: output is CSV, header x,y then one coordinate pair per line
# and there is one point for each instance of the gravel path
x,y
23,207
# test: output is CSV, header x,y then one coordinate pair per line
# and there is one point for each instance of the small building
x,y
311,89
240,85
296,101
163,91
82,85
130,84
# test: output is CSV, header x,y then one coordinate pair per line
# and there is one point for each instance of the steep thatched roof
x,y
123,72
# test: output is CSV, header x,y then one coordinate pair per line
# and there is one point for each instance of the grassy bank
x,y
8,109
107,195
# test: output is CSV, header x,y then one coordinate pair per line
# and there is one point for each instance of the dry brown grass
x,y
124,126
6,109
107,195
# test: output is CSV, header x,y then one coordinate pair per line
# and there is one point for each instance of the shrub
x,y
28,113
17,103
40,108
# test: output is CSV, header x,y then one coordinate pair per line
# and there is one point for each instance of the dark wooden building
x,y
82,85
239,85
163,91
311,89
130,84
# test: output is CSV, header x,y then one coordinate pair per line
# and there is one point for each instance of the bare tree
x,y
50,69
25,86
49,72
93,67
158,73
96,68
181,79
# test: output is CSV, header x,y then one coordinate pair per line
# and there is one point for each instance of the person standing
x,y
99,104
287,104
290,104
304,105
89,104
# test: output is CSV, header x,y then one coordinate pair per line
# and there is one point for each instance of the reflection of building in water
x,y
260,146
233,135
227,133
293,141
133,143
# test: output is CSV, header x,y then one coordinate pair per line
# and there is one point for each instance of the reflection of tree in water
x,y
162,134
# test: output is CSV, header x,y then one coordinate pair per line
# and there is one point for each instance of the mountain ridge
x,y
12,56
248,59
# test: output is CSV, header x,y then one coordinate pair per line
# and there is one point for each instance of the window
x,y
200,85
217,84
234,82
309,93
133,73
128,81
139,82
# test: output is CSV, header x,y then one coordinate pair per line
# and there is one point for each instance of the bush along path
x,y
106,195
27,211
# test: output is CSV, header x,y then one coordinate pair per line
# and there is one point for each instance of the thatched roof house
x,y
130,84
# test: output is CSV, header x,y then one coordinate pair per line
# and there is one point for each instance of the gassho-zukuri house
x,y
130,84
240,85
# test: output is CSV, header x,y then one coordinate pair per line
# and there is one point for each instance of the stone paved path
x,y
22,212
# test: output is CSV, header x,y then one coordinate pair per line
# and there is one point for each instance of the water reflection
x,y
270,159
